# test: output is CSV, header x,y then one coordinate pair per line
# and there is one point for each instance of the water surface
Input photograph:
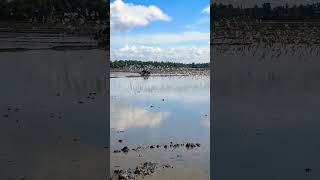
x,y
45,133
156,111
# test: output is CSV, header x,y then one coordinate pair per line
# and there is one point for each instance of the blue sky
x,y
165,30
181,12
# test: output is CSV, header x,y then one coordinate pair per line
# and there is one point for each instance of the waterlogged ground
x,y
157,111
52,112
266,103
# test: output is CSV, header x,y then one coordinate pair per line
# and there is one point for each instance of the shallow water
x,y
266,117
156,111
45,133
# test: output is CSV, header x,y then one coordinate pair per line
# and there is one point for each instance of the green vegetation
x,y
43,11
267,12
155,64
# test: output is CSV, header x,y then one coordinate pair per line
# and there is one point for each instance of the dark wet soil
x,y
141,170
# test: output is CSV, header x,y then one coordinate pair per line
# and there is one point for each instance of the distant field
x,y
252,55
237,32
52,28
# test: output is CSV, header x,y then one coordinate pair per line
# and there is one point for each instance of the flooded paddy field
x,y
266,99
53,101
163,121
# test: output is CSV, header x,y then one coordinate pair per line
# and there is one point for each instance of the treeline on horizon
x,y
267,12
155,64
45,10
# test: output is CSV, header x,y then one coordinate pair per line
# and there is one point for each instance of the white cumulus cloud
x,y
206,10
125,16
139,49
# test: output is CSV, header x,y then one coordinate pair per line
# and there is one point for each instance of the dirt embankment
x,y
49,28
22,36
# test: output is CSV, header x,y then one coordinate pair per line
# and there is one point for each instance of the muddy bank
x,y
18,42
88,29
140,171
24,35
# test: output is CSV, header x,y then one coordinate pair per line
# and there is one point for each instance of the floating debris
x,y
177,145
125,149
92,95
190,145
308,169
167,166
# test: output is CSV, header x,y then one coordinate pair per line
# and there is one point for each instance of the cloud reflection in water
x,y
124,116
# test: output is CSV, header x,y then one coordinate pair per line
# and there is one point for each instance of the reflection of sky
x,y
161,108
181,89
158,110
30,138
125,116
